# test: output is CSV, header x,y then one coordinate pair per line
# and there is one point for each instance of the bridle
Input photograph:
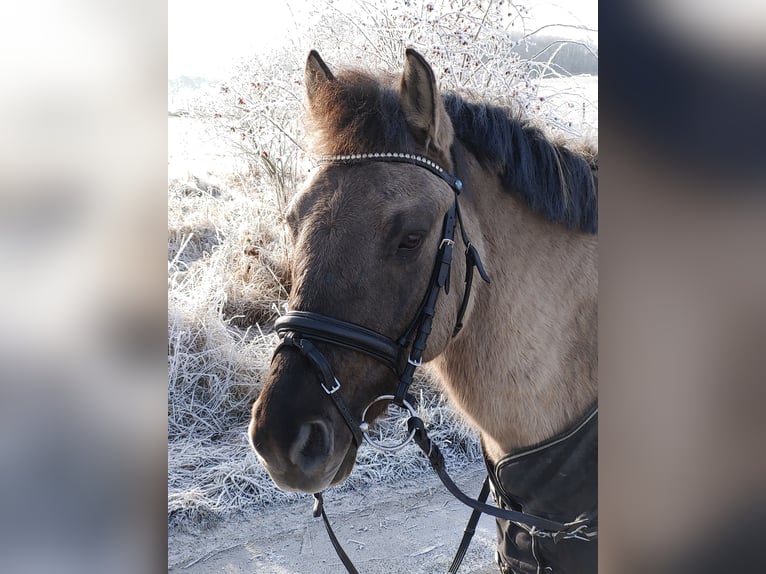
x,y
299,330
404,355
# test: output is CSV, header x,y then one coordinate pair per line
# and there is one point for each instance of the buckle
x,y
335,388
413,362
446,241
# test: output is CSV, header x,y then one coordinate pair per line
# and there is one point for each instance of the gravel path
x,y
414,527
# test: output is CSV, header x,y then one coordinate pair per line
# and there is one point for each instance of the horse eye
x,y
412,241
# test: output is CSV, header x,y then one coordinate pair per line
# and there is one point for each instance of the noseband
x,y
299,329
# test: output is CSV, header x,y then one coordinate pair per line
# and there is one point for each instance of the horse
x,y
372,299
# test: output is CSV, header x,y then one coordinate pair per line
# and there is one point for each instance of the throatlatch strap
x,y
470,529
472,259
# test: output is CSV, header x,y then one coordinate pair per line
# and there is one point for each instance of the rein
x,y
299,329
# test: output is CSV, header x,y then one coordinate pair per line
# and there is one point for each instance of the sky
x,y
205,38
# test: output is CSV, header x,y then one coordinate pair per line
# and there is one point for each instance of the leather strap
x,y
472,259
557,530
412,159
439,281
348,335
319,511
469,531
326,378
434,455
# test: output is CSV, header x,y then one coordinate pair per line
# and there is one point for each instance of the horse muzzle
x,y
308,460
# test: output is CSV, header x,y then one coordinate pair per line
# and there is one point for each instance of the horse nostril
x,y
312,445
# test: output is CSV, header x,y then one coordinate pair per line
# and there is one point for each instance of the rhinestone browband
x,y
431,165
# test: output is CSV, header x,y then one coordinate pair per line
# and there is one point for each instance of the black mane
x,y
528,163
357,113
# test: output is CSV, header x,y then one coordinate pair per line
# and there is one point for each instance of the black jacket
x,y
556,479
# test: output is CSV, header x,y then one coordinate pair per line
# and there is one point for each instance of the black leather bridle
x,y
404,355
299,330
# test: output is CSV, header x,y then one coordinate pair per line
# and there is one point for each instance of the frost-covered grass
x,y
227,282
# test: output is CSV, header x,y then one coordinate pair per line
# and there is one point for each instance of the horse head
x,y
365,238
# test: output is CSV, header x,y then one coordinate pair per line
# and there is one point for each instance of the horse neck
x,y
525,365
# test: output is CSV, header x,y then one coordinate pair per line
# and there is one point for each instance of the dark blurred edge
x,y
682,278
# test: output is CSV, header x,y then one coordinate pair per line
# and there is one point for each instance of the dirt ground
x,y
414,527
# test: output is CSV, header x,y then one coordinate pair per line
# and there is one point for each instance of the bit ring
x,y
365,427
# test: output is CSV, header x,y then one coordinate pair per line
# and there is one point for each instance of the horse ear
x,y
422,105
317,73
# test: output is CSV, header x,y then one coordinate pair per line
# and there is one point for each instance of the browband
x,y
397,157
